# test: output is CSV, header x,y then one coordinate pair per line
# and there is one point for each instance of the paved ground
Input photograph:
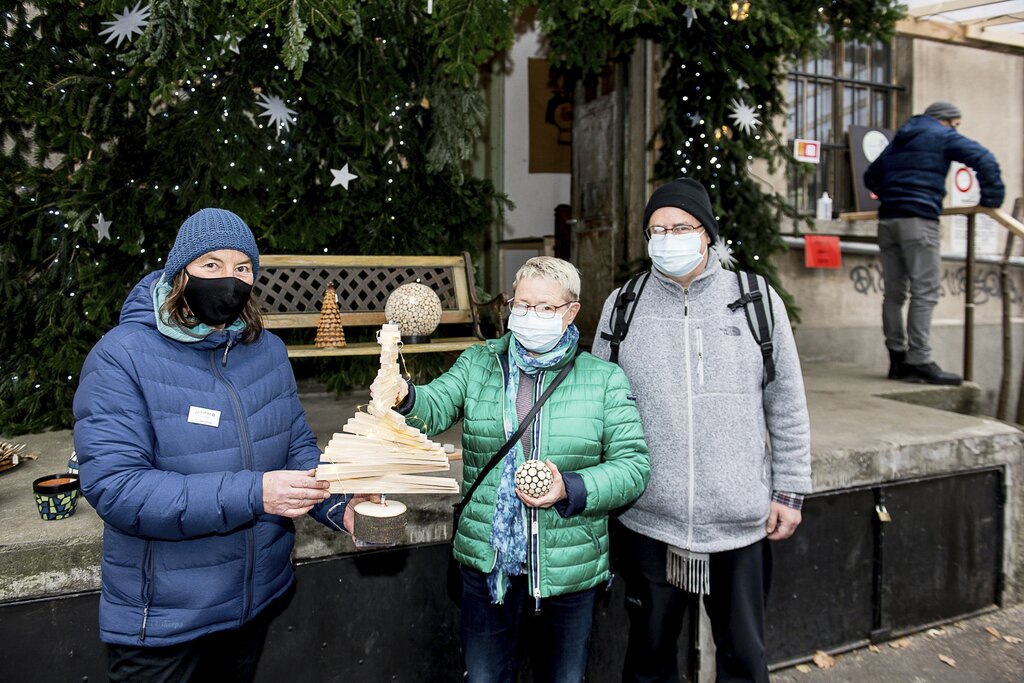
x,y
985,649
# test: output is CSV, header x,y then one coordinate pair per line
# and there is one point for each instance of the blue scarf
x,y
508,529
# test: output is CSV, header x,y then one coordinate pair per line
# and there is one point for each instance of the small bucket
x,y
56,495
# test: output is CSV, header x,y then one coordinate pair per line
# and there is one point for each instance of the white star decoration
x,y
690,15
126,24
102,228
724,255
342,177
741,84
695,120
744,116
230,41
277,111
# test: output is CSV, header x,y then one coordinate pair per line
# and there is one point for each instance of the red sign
x,y
822,251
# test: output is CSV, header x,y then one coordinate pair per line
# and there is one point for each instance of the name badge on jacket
x,y
204,416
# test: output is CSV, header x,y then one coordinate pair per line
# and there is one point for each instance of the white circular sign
x,y
963,179
873,144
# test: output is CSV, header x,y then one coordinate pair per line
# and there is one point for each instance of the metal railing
x,y
1004,219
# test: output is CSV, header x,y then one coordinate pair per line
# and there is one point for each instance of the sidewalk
x,y
979,656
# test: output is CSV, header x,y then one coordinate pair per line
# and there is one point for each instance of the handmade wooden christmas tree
x,y
329,332
377,452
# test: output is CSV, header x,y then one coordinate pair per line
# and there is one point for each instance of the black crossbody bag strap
x,y
524,424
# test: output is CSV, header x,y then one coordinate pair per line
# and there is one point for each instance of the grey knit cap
x,y
209,230
943,110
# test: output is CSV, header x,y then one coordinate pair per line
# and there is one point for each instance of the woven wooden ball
x,y
534,478
416,308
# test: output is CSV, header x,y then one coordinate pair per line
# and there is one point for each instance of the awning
x,y
966,20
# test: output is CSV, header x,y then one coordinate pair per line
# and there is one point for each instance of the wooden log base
x,y
379,523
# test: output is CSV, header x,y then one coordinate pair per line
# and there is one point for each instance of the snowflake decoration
x,y
744,116
102,227
723,253
126,24
275,109
342,177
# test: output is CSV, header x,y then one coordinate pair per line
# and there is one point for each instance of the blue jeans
x,y
558,637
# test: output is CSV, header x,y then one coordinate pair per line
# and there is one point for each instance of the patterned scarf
x,y
508,529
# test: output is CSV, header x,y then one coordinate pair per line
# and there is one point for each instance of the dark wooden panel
x,y
942,552
821,596
377,616
56,639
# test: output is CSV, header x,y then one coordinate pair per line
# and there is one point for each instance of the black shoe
x,y
896,361
929,373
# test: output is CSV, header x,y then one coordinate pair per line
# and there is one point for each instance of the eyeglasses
x,y
680,229
543,311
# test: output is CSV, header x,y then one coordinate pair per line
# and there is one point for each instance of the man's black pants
x,y
736,607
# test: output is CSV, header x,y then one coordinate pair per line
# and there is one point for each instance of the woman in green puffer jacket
x,y
549,553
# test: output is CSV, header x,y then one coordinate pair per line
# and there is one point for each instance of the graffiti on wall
x,y
868,279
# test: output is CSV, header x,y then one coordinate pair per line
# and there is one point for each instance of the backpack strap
x,y
625,303
754,294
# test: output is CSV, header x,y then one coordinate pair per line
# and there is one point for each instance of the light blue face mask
x,y
536,334
676,255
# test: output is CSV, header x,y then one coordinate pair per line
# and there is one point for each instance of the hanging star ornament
x,y
274,108
695,120
690,14
230,41
126,24
741,84
342,177
102,228
744,116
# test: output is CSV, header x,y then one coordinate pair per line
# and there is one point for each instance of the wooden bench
x,y
290,290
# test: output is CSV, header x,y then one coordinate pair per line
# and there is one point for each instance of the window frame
x,y
831,70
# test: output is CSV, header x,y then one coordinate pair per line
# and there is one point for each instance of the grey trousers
x,y
910,263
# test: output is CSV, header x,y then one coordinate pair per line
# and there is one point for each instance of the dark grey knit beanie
x,y
209,230
943,110
690,196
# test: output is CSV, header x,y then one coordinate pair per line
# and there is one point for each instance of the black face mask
x,y
216,300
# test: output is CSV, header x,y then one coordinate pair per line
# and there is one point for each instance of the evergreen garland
x,y
702,63
149,131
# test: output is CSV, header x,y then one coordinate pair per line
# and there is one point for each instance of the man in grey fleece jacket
x,y
730,457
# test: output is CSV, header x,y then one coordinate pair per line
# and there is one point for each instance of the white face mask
x,y
536,334
676,255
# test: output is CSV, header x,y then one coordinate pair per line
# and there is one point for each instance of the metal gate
x,y
848,578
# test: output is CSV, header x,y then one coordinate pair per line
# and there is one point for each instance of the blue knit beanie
x,y
209,230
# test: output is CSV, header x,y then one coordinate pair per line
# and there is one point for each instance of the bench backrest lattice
x,y
290,289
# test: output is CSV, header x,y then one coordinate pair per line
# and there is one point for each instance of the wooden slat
x,y
373,349
357,261
287,321
462,293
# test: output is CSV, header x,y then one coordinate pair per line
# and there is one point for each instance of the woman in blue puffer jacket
x,y
195,452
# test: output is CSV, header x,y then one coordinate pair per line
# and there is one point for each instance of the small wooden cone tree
x,y
330,333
